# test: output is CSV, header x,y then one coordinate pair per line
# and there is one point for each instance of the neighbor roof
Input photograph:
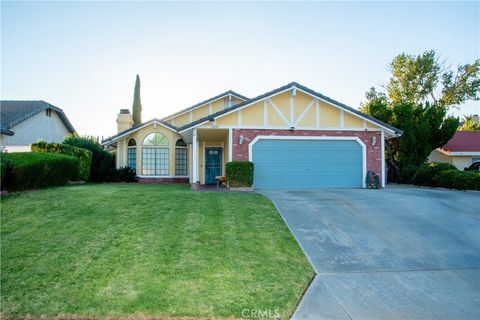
x,y
290,85
226,93
14,112
463,141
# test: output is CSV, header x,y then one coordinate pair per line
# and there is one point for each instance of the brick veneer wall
x,y
374,155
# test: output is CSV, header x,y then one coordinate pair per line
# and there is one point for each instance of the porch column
x,y
230,145
117,156
195,159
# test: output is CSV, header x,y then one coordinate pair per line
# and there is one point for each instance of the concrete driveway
x,y
396,253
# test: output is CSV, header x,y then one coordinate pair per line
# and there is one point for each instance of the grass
x,y
122,250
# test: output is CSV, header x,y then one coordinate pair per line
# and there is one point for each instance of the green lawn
x,y
146,250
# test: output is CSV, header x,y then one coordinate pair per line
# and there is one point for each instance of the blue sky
x,y
83,56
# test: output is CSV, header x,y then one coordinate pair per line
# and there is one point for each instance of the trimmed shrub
x,y
84,156
102,162
426,173
407,173
122,174
31,170
239,173
456,179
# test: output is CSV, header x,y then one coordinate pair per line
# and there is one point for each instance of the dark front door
x,y
213,164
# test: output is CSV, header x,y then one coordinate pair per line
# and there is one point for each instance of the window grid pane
x,y
180,161
155,161
132,158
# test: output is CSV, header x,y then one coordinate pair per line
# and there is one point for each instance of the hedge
x,y
84,156
102,161
31,170
426,173
239,173
456,179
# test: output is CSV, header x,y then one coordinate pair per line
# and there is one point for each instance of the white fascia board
x,y
202,105
130,132
458,153
238,109
352,113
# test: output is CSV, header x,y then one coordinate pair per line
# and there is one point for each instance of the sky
x,y
83,56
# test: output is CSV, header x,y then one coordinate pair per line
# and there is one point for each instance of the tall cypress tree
x,y
137,104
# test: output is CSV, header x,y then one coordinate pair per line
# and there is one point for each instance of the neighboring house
x,y
296,138
26,122
461,150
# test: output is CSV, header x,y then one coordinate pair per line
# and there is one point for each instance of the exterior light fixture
x,y
374,140
241,139
292,128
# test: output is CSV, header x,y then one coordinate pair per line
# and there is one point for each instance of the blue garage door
x,y
307,164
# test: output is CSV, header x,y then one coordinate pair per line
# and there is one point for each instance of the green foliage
x,y
423,78
239,173
419,95
84,156
122,174
137,104
102,161
455,179
427,171
469,124
31,170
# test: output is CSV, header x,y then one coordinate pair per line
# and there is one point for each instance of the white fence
x,y
11,149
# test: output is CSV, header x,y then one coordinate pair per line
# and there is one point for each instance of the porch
x,y
210,150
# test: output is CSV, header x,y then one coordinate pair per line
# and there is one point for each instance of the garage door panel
x,y
284,164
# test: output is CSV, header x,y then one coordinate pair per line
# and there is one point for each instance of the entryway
x,y
213,164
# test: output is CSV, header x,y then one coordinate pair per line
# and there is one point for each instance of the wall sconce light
x,y
374,140
292,128
241,139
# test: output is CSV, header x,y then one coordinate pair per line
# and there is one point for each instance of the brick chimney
x,y
124,120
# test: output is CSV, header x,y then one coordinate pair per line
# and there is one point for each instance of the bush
x,y
84,156
123,174
407,173
30,170
426,173
456,179
239,173
102,162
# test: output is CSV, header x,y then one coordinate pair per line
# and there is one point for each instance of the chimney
x,y
475,118
124,120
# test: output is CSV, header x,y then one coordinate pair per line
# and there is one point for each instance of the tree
x,y
419,94
470,123
137,104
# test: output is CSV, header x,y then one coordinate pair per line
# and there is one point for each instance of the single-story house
x,y
296,138
26,122
461,150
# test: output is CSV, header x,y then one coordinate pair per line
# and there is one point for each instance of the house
x,y
461,150
26,122
296,137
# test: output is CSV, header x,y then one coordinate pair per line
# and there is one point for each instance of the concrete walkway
x,y
396,253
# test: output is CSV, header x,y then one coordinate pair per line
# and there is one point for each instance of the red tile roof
x,y
464,141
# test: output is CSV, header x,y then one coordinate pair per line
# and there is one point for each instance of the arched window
x,y
155,155
132,154
180,158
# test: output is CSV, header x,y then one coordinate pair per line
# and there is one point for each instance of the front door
x,y
213,164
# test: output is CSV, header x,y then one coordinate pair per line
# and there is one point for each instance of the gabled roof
x,y
283,88
14,112
137,127
463,141
226,93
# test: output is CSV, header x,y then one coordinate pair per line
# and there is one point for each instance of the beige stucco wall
x,y
38,127
460,162
139,136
